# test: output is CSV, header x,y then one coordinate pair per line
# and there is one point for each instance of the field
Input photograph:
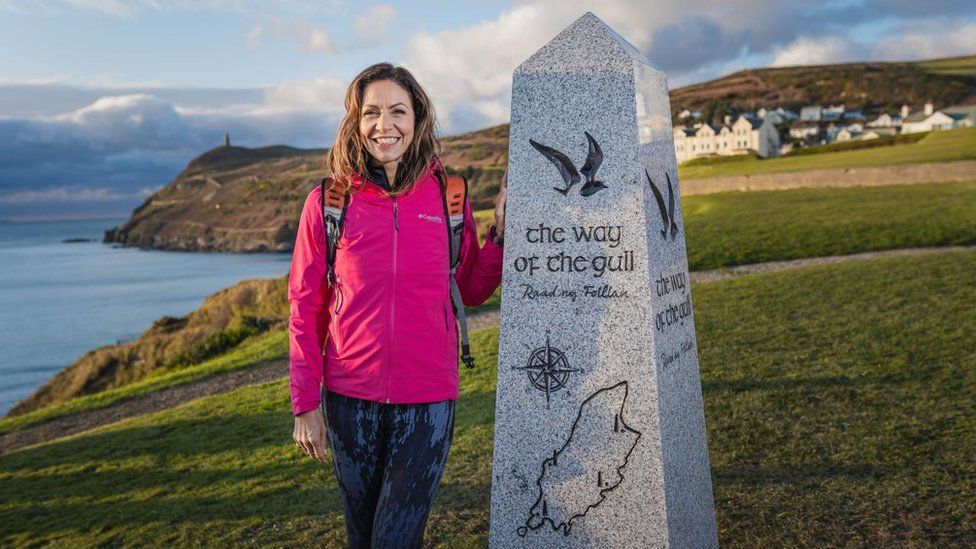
x,y
723,230
947,146
963,66
737,228
838,404
257,349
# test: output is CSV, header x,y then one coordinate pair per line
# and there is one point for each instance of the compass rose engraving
x,y
548,369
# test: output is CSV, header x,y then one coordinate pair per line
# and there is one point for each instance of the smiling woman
x,y
386,111
373,335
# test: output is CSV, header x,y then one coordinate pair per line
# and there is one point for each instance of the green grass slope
x,y
738,228
723,229
947,146
838,405
225,320
253,351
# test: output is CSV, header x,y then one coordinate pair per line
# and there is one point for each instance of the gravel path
x,y
220,383
490,318
774,266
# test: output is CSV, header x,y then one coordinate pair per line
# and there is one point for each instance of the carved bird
x,y
562,163
567,170
594,157
667,212
674,226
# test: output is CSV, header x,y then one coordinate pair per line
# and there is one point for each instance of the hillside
x,y
236,199
873,87
865,441
224,320
723,230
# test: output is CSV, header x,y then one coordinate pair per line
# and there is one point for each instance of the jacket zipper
x,y
335,313
389,347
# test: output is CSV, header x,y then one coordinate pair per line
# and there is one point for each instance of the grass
x,y
723,229
837,146
738,228
268,346
838,405
963,66
947,146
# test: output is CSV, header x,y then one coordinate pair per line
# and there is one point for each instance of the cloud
x,y
108,7
72,195
937,37
816,51
470,69
322,93
131,8
371,26
308,37
106,154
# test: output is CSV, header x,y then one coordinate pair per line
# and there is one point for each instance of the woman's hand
x,y
500,208
309,434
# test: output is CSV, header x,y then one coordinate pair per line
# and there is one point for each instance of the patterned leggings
x,y
388,460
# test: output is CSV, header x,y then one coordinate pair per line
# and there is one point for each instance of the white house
x,y
884,120
929,119
811,113
963,116
779,115
804,129
743,136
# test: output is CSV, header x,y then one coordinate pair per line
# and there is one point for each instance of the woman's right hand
x,y
309,434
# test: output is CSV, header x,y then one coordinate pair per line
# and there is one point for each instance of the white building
x,y
805,129
779,115
963,116
744,136
927,120
885,120
848,134
811,113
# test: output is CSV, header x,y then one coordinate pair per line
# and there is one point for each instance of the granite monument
x,y
599,422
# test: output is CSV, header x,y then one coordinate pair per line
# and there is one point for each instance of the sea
x,y
60,299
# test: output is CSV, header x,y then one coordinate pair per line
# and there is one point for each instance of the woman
x,y
374,355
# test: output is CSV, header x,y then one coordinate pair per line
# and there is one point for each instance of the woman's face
x,y
386,121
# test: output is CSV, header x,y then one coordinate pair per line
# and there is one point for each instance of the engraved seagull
x,y
594,157
667,213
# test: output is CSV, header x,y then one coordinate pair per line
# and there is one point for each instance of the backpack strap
x,y
334,202
455,195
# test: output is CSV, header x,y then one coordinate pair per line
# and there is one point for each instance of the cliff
x,y
224,320
236,199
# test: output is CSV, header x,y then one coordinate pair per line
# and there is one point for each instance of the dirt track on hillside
x,y
153,402
268,371
879,176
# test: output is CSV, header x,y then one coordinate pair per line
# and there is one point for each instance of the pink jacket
x,y
387,326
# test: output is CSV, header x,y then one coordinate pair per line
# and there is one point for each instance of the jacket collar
x,y
357,182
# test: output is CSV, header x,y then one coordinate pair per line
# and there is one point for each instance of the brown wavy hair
x,y
349,155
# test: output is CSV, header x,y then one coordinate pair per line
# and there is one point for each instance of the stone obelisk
x,y
599,422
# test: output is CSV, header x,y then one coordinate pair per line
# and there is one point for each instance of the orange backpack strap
x,y
334,201
455,195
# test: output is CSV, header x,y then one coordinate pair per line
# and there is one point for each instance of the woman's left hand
x,y
500,208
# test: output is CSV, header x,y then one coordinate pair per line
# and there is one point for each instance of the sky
x,y
102,102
